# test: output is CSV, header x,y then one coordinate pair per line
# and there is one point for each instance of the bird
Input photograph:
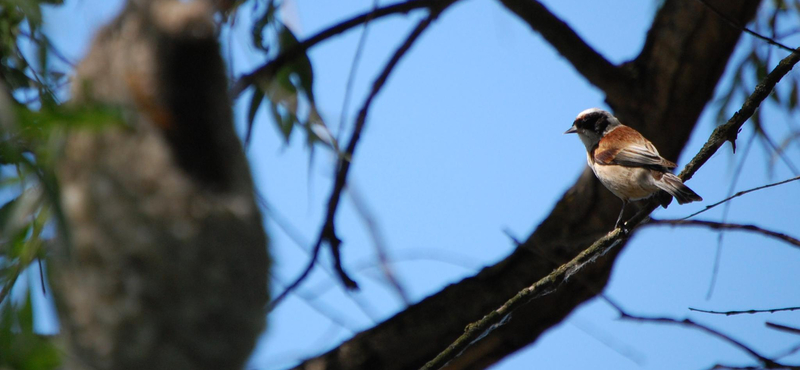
x,y
625,162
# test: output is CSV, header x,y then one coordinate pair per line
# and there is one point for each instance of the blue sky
x,y
465,141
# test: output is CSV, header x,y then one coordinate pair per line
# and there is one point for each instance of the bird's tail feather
x,y
674,186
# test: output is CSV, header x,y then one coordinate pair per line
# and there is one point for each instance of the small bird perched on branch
x,y
625,162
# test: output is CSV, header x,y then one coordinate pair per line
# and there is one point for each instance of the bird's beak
x,y
571,130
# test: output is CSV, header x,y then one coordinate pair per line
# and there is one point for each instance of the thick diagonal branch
x,y
685,53
596,68
616,237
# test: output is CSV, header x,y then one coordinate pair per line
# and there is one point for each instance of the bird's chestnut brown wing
x,y
625,146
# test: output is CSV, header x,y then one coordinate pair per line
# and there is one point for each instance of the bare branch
x,y
269,69
301,243
551,282
589,63
682,60
544,286
766,362
380,245
729,313
739,194
351,79
785,328
720,236
328,232
727,226
321,308
730,130
742,28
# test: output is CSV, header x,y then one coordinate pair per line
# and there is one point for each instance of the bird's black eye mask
x,y
595,122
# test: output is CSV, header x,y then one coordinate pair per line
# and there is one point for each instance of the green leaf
x,y
25,315
301,66
16,79
14,226
38,124
255,103
6,210
286,130
20,347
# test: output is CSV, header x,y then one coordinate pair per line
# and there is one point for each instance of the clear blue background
x,y
465,141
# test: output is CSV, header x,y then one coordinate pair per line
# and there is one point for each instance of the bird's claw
x,y
623,226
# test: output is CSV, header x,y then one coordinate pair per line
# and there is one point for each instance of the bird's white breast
x,y
627,183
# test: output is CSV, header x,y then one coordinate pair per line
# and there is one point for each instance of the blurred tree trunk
x,y
661,93
166,267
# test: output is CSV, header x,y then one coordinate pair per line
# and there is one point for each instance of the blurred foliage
x,y
288,92
31,123
780,21
20,347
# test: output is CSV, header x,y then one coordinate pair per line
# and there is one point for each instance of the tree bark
x,y
166,266
662,93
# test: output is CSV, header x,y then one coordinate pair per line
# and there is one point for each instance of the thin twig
x,y
353,68
328,232
615,344
721,235
542,287
788,352
767,362
53,49
343,167
738,26
300,242
784,328
379,244
290,54
739,194
330,313
728,226
730,313
730,130
547,284
788,162
41,276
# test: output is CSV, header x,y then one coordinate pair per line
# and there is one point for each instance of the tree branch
x,y
729,313
727,226
784,328
596,68
742,28
268,70
328,232
544,286
730,130
739,194
551,282
685,54
766,362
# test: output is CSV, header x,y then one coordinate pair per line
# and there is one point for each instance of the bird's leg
x,y
621,211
